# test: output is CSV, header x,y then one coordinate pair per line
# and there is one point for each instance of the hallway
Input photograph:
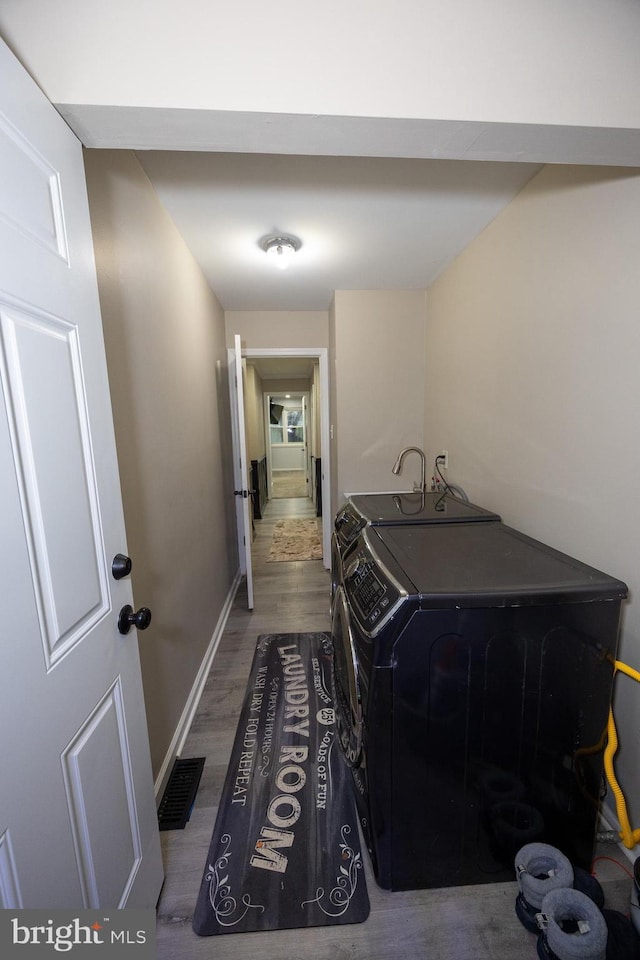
x,y
464,923
288,597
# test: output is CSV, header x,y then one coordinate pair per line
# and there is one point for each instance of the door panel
x,y
78,823
43,379
98,760
37,211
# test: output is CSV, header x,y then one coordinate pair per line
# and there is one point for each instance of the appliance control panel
x,y
348,524
373,597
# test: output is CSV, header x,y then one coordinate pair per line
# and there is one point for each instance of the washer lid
x,y
389,508
491,565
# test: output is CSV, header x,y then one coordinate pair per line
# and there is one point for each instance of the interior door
x,y
241,468
78,823
307,412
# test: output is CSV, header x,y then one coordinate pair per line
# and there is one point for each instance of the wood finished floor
x,y
462,923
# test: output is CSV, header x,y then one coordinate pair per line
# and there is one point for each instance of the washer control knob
x,y
357,566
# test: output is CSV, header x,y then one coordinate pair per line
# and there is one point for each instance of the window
x,y
276,434
288,426
295,426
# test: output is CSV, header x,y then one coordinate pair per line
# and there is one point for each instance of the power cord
x,y
438,461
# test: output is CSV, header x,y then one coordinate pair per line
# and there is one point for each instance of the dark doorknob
x,y
128,618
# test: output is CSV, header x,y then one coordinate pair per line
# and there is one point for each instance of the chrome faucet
x,y
397,467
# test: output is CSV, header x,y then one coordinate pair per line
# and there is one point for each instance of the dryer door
x,y
346,692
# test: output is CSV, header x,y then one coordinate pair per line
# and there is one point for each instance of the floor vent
x,y
180,793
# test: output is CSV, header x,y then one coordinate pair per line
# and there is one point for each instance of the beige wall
x,y
164,333
268,329
532,383
377,360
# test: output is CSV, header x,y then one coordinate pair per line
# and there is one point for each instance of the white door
x,y
78,824
307,444
313,443
241,466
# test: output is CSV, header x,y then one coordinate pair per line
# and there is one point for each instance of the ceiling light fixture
x,y
281,249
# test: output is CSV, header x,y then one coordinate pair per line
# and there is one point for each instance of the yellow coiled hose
x,y
628,836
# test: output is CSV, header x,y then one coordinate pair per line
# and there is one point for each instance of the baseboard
x,y
184,724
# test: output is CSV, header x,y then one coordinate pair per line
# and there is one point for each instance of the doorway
x,y
289,444
269,374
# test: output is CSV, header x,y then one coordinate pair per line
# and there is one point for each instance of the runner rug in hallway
x,y
285,848
296,539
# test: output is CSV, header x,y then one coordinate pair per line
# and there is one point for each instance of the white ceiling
x,y
393,141
365,223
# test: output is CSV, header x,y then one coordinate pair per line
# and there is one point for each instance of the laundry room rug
x,y
296,539
285,849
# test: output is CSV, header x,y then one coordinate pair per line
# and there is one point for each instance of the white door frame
x,y
244,513
322,355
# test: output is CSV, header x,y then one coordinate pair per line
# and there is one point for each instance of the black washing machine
x,y
390,509
473,678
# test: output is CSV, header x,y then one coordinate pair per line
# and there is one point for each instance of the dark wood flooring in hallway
x,y
463,923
